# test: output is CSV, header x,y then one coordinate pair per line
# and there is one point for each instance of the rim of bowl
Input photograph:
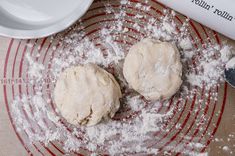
x,y
46,31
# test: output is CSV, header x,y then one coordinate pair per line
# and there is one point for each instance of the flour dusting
x,y
231,64
135,128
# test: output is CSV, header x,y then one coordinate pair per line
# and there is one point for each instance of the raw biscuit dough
x,y
153,69
86,94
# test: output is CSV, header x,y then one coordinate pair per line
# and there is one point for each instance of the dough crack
x,y
87,118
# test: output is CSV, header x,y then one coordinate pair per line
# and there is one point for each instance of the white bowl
x,y
39,18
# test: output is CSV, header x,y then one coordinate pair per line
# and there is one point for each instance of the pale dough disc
x,y
87,93
153,69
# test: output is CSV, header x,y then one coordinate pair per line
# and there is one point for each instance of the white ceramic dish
x,y
39,18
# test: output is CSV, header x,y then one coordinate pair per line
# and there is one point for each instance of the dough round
x,y
153,69
86,94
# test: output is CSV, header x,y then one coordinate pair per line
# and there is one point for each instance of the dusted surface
x,y
11,53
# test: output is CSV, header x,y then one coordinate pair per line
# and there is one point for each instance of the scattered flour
x,y
226,53
210,66
231,64
135,103
35,69
186,44
225,148
34,115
